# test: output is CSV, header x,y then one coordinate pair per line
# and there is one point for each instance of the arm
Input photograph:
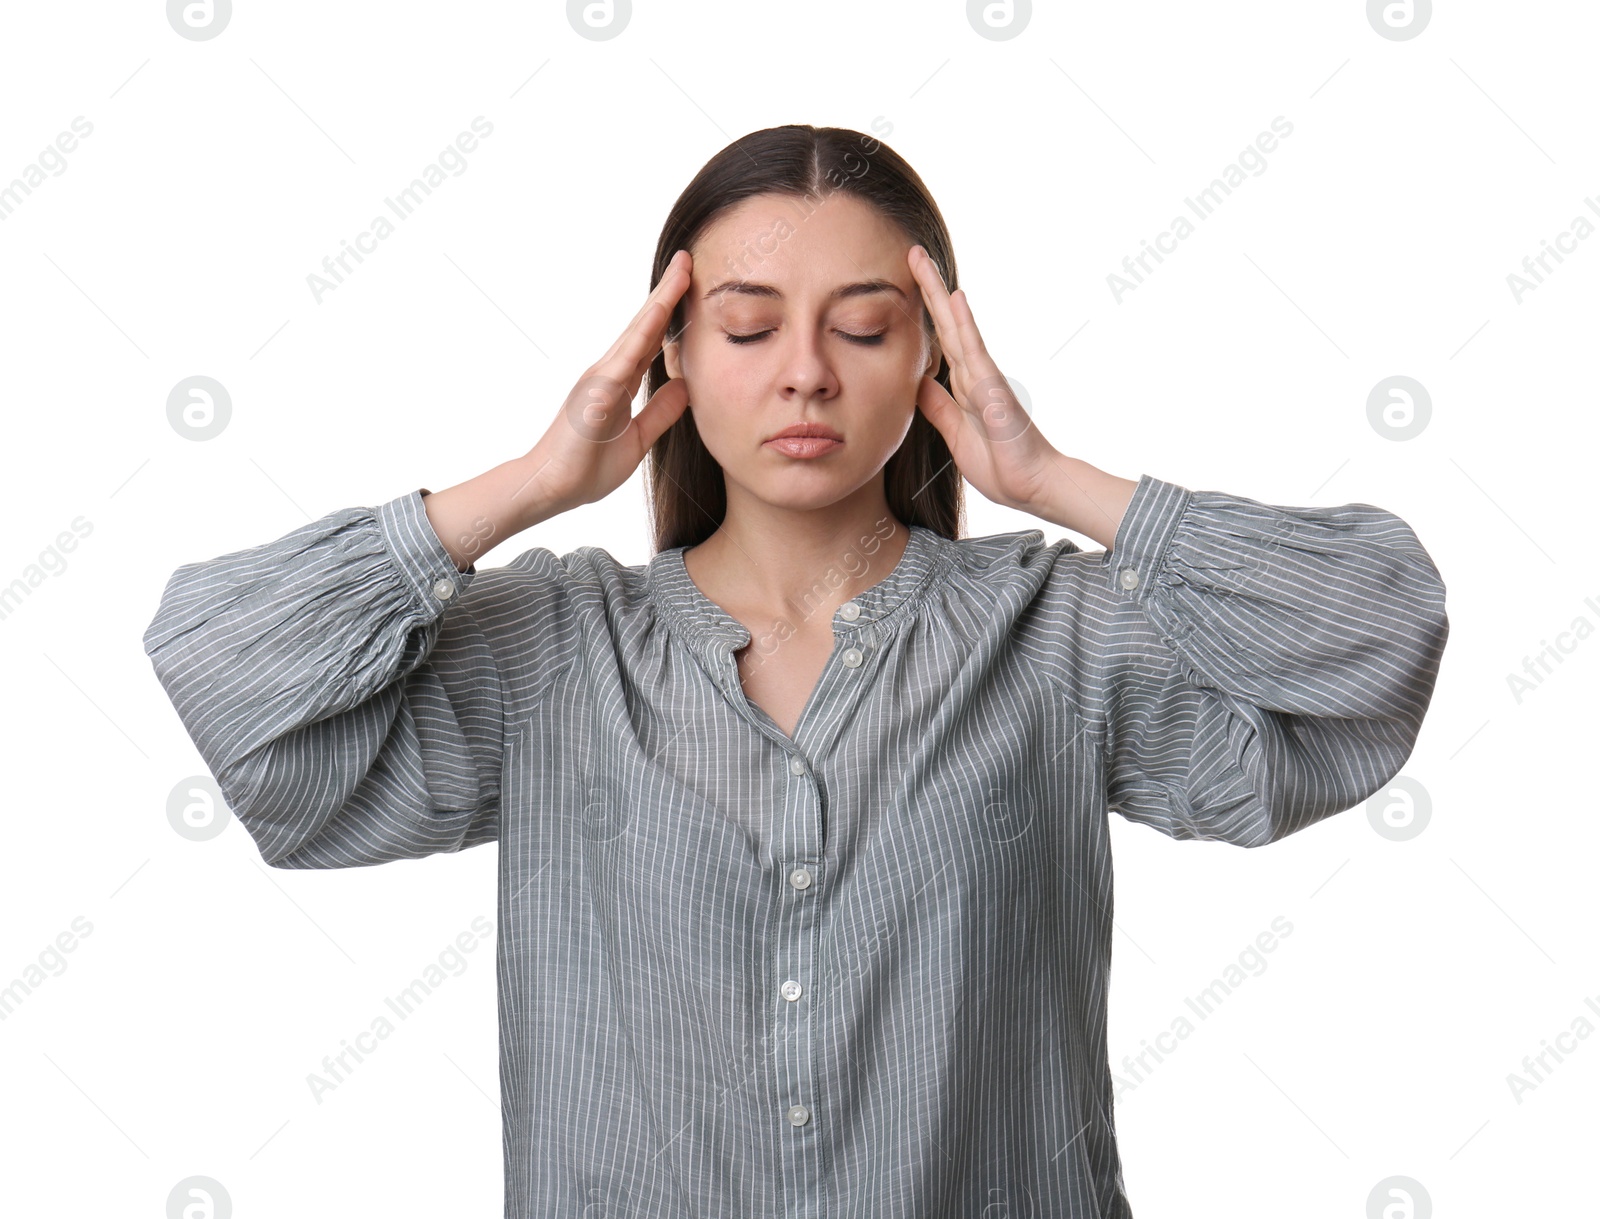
x,y
339,686
338,681
1252,668
1248,669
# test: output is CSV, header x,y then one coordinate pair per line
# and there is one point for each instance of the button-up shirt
x,y
859,972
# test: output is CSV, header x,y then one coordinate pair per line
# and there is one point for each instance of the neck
x,y
767,561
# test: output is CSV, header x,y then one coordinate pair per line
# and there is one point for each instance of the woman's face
x,y
802,318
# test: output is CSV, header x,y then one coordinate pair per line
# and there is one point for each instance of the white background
x,y
1377,242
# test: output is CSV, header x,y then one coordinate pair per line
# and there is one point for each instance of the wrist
x,y
1083,498
531,494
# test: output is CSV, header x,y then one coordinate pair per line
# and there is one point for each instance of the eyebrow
x,y
869,287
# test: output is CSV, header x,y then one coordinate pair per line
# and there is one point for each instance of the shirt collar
x,y
707,626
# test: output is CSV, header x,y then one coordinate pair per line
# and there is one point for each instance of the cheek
x,y
897,386
722,390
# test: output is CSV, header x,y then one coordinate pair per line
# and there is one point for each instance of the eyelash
x,y
864,340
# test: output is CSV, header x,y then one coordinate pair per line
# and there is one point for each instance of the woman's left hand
x,y
994,443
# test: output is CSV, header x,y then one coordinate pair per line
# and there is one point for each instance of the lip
x,y
804,446
807,429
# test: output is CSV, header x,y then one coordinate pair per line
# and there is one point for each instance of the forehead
x,y
801,245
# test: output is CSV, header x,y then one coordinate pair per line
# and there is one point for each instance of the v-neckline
x,y
713,636
805,707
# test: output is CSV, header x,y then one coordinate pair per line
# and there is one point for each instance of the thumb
x,y
941,409
661,412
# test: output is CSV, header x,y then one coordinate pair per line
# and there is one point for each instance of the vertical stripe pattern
x,y
855,974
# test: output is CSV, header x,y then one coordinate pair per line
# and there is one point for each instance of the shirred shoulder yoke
x,y
862,972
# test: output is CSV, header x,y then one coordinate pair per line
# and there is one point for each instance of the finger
x,y
632,355
955,314
643,342
674,279
638,344
642,337
934,294
937,299
967,325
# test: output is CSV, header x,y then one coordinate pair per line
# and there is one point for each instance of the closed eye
x,y
865,340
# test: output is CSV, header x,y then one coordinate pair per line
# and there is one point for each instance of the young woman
x,y
805,883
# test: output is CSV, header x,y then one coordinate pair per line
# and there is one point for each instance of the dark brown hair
x,y
688,497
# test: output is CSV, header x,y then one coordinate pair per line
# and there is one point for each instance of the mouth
x,y
805,440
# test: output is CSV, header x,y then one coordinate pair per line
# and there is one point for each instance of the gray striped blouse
x,y
861,972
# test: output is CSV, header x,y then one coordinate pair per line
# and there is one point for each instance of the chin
x,y
788,493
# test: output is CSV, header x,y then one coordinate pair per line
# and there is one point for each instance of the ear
x,y
669,352
934,356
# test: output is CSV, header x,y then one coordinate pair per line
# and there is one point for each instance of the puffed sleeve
x,y
340,689
1257,668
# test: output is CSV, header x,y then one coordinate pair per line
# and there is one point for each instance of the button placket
x,y
803,825
799,846
795,868
795,961
796,848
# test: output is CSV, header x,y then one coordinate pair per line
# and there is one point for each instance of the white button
x,y
797,765
790,990
852,657
800,878
849,611
444,589
799,1115
1129,578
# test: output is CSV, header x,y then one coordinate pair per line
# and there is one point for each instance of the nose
x,y
805,371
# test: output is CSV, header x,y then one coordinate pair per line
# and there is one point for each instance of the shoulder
x,y
1019,561
585,574
1001,581
542,611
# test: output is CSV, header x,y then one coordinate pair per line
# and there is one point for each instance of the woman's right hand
x,y
596,442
